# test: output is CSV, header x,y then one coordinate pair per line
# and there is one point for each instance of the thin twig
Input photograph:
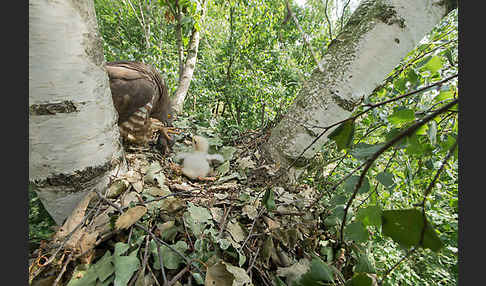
x,y
370,107
64,241
58,278
429,188
161,262
140,226
328,21
251,228
376,186
253,260
144,263
178,275
396,264
153,275
342,13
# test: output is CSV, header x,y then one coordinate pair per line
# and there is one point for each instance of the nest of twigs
x,y
239,229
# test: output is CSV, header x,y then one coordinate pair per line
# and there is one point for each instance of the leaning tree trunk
x,y
186,76
73,135
377,37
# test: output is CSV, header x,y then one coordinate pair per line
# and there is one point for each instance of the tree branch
x,y
407,132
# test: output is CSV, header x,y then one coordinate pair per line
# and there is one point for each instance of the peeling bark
x,y
73,135
357,61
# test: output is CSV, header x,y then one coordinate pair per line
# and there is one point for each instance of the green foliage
x,y
360,279
318,273
40,222
117,268
269,200
343,135
407,228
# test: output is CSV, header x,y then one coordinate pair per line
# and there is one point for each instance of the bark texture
x,y
377,37
73,136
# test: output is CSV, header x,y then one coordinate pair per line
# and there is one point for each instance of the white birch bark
x,y
377,37
73,135
188,70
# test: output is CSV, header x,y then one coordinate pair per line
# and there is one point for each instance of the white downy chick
x,y
196,163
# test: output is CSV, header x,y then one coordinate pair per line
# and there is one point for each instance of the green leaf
x,y
223,168
369,216
400,84
343,135
197,218
444,96
125,266
336,216
412,77
170,259
107,282
360,279
104,267
392,134
83,277
320,271
448,55
414,146
338,199
433,65
279,281
120,248
364,151
385,178
356,231
405,227
269,200
227,152
351,182
401,116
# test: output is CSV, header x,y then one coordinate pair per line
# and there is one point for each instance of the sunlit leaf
x,y
401,116
434,64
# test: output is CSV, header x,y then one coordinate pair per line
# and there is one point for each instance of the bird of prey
x,y
142,101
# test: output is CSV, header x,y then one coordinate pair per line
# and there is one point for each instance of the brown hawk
x,y
141,99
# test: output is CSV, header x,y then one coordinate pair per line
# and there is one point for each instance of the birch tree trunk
x,y
188,70
73,135
377,37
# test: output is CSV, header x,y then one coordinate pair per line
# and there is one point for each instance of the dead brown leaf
x,y
130,217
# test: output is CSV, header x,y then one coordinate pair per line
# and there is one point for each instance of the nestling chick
x,y
196,163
